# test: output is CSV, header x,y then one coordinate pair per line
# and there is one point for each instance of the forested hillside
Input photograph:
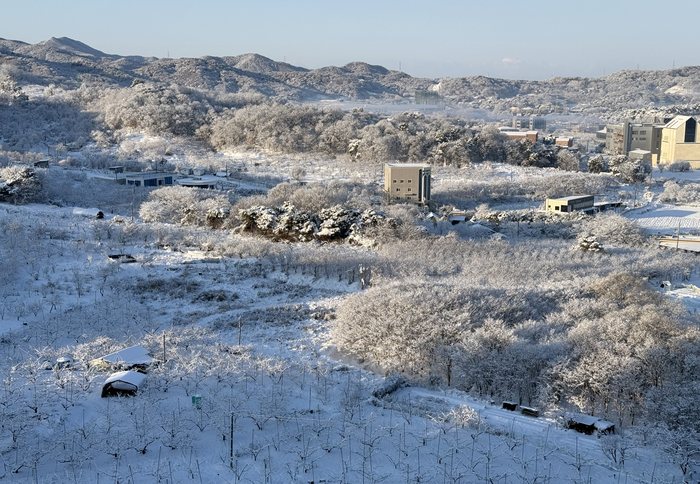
x,y
69,64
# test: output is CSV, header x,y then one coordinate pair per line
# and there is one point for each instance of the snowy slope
x,y
295,412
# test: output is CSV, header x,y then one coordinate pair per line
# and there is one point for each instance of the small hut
x,y
126,359
123,383
588,424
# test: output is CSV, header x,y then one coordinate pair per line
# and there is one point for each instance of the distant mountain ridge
x,y
70,63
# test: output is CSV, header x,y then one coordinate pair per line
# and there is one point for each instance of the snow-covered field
x,y
666,219
279,407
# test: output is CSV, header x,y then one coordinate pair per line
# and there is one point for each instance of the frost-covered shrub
x,y
217,295
289,223
596,164
276,315
679,166
529,223
588,243
18,184
186,206
388,386
612,229
628,169
176,287
567,161
680,192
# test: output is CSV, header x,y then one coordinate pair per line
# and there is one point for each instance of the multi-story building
x,y
407,182
616,138
530,123
622,138
680,141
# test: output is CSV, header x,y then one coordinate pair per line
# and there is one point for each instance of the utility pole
x,y
231,443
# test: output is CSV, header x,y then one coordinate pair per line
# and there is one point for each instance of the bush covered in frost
x,y
289,223
18,184
680,192
679,166
186,206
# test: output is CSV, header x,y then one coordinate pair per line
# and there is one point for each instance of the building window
x,y
409,189
401,181
394,181
690,127
409,181
398,189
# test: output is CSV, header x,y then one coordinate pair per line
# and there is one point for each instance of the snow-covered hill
x,y
68,63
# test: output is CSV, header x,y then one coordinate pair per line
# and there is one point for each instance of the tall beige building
x,y
622,138
680,141
407,182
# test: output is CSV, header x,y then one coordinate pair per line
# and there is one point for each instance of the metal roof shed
x,y
605,427
126,358
122,383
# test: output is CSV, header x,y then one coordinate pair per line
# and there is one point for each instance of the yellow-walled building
x,y
680,141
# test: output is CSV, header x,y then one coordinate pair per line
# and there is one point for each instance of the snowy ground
x,y
298,414
665,219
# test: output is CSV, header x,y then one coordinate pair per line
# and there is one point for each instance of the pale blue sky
x,y
442,38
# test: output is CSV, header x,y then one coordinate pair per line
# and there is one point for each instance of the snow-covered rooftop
x,y
572,197
408,165
677,122
131,377
135,355
582,418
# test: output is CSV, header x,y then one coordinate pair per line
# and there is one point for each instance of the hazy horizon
x,y
511,40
